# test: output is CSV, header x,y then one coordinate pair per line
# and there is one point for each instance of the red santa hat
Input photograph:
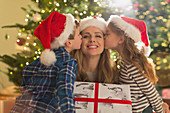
x,y
53,32
93,22
133,28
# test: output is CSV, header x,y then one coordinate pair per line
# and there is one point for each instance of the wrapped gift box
x,y
6,105
166,93
102,98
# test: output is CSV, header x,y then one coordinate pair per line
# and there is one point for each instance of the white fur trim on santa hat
x,y
69,29
147,51
141,46
48,57
93,22
129,29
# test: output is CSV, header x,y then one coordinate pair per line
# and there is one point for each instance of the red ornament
x,y
21,41
136,5
97,16
151,8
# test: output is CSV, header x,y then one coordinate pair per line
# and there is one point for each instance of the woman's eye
x,y
98,36
85,36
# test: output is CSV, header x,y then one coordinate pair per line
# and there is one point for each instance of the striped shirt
x,y
143,92
48,89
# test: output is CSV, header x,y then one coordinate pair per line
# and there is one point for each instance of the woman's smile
x,y
92,46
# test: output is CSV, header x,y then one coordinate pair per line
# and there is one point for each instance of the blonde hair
x,y
132,55
106,70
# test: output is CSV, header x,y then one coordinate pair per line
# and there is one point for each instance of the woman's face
x,y
92,41
111,39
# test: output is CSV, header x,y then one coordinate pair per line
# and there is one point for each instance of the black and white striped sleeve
x,y
147,88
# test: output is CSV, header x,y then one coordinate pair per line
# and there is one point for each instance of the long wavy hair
x,y
132,55
106,70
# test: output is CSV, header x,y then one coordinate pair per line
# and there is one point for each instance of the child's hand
x,y
165,107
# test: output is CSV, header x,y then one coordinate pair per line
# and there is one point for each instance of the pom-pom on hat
x,y
53,32
93,22
133,28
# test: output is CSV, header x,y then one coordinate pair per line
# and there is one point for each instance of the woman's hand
x,y
165,107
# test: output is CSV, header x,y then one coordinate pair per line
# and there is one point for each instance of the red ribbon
x,y
96,100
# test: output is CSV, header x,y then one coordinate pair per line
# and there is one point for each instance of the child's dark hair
x,y
77,25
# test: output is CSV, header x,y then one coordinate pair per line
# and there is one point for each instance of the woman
x,y
94,62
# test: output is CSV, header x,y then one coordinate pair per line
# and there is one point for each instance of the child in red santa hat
x,y
129,38
48,82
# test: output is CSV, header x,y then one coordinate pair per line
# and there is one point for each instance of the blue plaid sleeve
x,y
65,84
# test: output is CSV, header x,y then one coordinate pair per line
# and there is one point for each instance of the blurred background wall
x,y
10,14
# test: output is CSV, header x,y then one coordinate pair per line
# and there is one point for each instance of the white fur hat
x,y
93,22
133,28
53,32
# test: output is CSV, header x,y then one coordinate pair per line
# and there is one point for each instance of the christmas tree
x,y
35,15
156,15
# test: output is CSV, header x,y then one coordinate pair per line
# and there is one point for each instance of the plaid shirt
x,y
48,89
